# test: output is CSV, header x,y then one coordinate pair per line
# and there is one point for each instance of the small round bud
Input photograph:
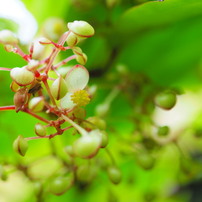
x,y
86,173
59,88
102,109
163,130
81,59
22,76
77,50
8,37
54,28
32,65
79,113
81,28
105,140
20,98
114,174
14,86
97,122
87,146
60,185
69,150
145,160
20,145
166,100
40,130
36,104
3,174
72,39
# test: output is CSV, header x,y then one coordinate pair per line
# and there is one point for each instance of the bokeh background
x,y
142,46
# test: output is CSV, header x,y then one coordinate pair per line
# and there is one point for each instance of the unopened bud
x,y
14,86
114,174
72,40
59,88
81,59
69,150
81,28
20,145
36,104
104,137
20,98
22,76
40,130
8,37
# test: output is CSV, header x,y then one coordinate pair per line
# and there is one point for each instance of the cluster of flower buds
x,y
56,88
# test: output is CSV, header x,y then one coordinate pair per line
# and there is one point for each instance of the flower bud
x,y
54,28
32,65
36,104
146,161
86,173
102,109
20,145
163,130
40,130
14,86
81,28
59,88
3,174
72,39
104,137
20,98
69,150
87,146
8,37
60,185
22,76
166,100
114,174
77,50
81,59
96,122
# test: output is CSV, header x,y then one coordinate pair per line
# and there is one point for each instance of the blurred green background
x,y
143,46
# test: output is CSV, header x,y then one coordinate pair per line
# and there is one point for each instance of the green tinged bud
x,y
14,86
145,160
69,150
59,88
163,130
104,137
86,173
8,38
60,185
20,145
36,104
72,40
40,130
3,174
87,146
114,174
81,28
166,100
22,76
95,122
81,59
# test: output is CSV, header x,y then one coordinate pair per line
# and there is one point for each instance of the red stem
x,y
65,61
4,108
37,116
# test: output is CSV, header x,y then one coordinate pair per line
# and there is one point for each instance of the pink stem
x,y
5,69
65,61
37,116
4,108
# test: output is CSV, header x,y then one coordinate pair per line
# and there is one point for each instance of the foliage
x,y
141,49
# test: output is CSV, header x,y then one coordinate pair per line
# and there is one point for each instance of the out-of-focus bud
x,y
20,98
87,146
96,122
3,174
102,109
81,28
22,76
14,86
54,28
114,174
36,104
166,100
69,150
20,145
163,130
59,88
60,185
104,137
8,38
40,130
